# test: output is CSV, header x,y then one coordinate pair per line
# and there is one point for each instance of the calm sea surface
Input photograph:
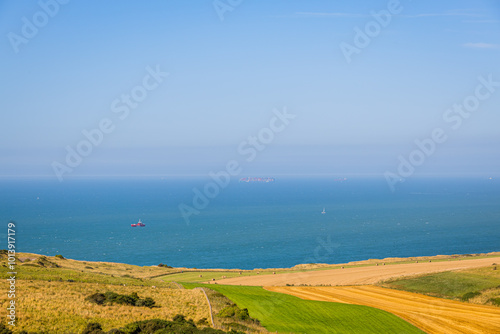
x,y
252,225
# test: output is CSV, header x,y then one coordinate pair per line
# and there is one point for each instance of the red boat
x,y
141,224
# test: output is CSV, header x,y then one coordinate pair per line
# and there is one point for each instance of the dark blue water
x,y
252,225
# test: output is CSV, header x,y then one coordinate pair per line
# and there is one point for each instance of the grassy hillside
x,y
61,307
34,266
51,294
481,285
288,314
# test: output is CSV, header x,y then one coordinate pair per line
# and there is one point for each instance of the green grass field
x,y
451,284
288,314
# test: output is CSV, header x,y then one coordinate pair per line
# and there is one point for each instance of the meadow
x,y
61,307
479,285
287,314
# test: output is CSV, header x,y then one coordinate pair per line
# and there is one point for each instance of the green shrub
x,y
111,298
179,318
157,326
97,298
115,298
146,302
93,328
116,331
469,295
234,312
59,256
495,301
203,322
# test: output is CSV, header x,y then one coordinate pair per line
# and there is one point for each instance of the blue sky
x,y
225,78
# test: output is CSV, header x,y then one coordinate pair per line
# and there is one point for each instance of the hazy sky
x,y
361,87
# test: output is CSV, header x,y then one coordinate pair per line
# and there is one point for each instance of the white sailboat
x,y
323,212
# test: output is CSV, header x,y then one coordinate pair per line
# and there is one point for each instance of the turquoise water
x,y
252,225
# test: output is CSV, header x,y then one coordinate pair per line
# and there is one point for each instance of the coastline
x,y
368,273
22,256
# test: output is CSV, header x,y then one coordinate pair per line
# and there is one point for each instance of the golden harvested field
x,y
432,315
60,307
358,275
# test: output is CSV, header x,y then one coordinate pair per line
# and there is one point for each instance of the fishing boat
x,y
141,224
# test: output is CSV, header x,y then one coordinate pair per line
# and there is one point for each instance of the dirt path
x,y
432,315
359,275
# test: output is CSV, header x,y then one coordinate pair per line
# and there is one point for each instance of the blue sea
x,y
252,225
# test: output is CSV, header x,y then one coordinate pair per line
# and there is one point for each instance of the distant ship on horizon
x,y
257,179
140,224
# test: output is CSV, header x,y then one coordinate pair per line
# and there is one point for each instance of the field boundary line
x,y
209,305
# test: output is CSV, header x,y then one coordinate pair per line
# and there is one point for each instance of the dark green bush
x,y
179,318
157,326
116,331
494,301
93,328
469,295
146,302
203,322
234,312
111,298
97,298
